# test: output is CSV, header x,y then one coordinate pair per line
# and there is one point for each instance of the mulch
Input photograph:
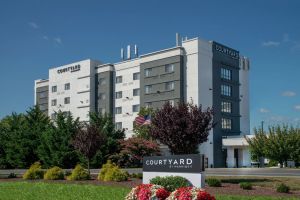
x,y
227,188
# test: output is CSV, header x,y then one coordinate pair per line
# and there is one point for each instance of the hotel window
x,y
101,110
54,88
101,96
136,108
118,110
226,123
226,107
53,116
67,100
226,74
148,104
148,89
226,90
43,107
119,79
53,102
148,72
102,81
43,94
118,125
169,68
136,92
136,76
67,86
119,95
169,85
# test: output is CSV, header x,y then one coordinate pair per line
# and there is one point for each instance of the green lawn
x,y
60,191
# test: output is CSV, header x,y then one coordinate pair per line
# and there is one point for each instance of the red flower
x,y
202,195
162,194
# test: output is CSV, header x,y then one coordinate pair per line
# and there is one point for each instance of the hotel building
x,y
205,72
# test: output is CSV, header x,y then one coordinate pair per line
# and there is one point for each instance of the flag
x,y
143,120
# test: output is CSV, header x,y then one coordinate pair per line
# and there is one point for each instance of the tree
x,y
87,141
257,145
133,150
56,148
142,131
294,143
105,124
182,128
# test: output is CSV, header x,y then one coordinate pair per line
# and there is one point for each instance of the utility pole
x,y
262,126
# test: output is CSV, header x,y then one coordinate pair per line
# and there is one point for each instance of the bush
x,y
111,172
147,191
213,182
79,173
170,183
138,175
54,173
34,172
12,175
246,186
282,188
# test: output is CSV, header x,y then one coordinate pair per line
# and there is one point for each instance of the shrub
x,y
190,193
282,188
138,175
54,173
171,183
79,173
34,172
213,182
147,191
246,186
111,172
12,175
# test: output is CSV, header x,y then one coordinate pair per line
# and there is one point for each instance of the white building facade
x,y
205,72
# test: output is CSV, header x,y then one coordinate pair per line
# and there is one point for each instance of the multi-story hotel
x,y
205,72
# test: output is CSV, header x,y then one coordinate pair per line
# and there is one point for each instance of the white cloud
x,y
33,25
270,44
57,40
264,110
288,94
286,38
45,37
297,107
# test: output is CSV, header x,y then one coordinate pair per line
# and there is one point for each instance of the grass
x,y
272,182
22,190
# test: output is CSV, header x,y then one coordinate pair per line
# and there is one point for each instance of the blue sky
x,y
37,35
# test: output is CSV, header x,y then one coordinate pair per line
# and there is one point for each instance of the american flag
x,y
143,120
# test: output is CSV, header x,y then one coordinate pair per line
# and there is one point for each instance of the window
x,y
102,81
148,89
136,76
66,113
53,116
226,123
43,107
148,72
136,108
148,104
170,85
226,90
169,68
119,79
119,95
67,100
67,86
226,74
43,94
118,110
53,102
136,92
226,107
54,88
101,110
118,125
101,96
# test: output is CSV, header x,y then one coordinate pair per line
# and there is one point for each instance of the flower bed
x,y
157,192
147,192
